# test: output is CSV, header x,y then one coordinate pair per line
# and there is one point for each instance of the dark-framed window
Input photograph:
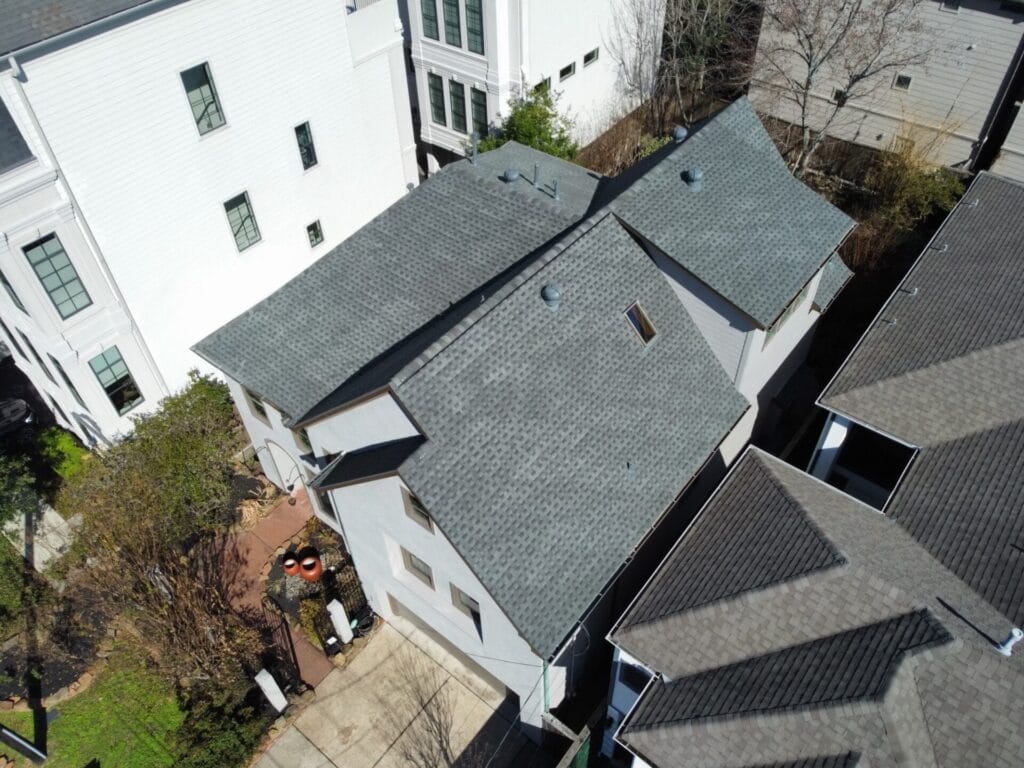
x,y
259,410
902,82
591,56
415,510
418,568
475,25
10,292
468,606
242,222
478,103
58,275
67,380
116,380
428,10
302,438
14,341
307,150
640,323
435,88
452,24
633,677
202,98
35,354
315,233
543,86
567,71
457,97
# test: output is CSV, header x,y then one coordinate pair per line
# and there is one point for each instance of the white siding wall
x,y
115,112
376,526
378,419
952,93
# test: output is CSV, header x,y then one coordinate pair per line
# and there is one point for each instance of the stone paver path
x,y
254,549
368,714
51,536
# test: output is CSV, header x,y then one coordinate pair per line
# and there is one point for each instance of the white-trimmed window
x,y
591,56
202,98
116,380
418,568
415,510
566,72
468,606
315,233
58,275
259,410
902,82
640,323
242,222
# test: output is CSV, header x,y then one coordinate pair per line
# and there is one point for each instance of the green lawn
x,y
126,719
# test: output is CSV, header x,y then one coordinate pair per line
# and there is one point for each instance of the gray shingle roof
x,y
436,246
372,461
833,279
758,536
751,212
848,760
27,22
856,664
555,439
947,376
750,672
13,149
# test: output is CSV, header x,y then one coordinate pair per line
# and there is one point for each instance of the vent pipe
x,y
694,178
679,134
557,197
536,174
1015,636
474,140
552,296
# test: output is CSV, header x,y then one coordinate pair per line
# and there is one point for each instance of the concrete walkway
x,y
393,706
51,536
254,549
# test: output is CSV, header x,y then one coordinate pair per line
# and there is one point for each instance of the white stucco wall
x,y
376,526
152,189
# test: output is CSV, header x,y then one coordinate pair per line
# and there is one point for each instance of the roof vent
x,y
552,295
679,134
1015,636
694,177
511,174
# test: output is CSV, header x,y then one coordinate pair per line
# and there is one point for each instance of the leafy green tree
x,y
536,122
17,494
63,453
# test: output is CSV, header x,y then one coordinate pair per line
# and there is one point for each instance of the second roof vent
x,y
694,178
552,295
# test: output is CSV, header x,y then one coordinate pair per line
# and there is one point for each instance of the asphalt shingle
x,y
27,22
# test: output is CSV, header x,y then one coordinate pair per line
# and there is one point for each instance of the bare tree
x,y
634,43
850,46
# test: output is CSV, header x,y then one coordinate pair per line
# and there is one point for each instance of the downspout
x,y
18,75
547,693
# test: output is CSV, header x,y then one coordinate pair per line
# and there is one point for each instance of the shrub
x,y
223,726
62,451
314,619
535,122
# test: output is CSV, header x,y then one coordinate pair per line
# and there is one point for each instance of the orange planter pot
x,y
290,566
311,568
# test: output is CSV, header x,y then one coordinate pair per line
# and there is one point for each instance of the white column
x,y
831,440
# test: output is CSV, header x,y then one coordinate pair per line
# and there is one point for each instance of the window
x,y
789,310
839,96
259,410
429,9
315,233
243,224
566,72
590,57
35,354
632,677
475,25
418,568
302,438
58,276
304,137
953,6
58,410
639,322
67,381
116,380
457,97
468,606
436,89
452,27
415,510
202,97
543,85
14,341
479,105
10,292
902,82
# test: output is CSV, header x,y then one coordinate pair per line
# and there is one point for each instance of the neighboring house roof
x,y
889,654
942,368
833,280
556,439
27,22
750,213
13,149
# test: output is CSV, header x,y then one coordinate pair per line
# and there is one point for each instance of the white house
x,y
515,373
164,164
471,57
963,100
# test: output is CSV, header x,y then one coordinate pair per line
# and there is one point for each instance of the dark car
x,y
14,414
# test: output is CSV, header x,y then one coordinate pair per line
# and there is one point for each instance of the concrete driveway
x,y
396,705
